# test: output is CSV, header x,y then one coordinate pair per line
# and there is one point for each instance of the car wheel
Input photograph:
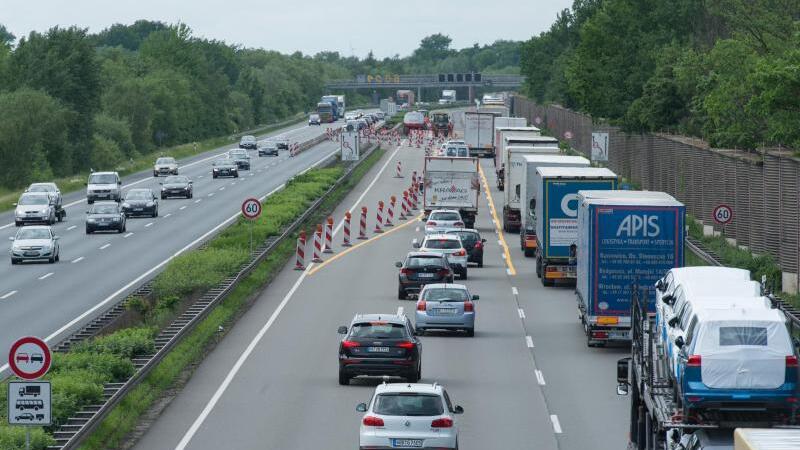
x,y
51,259
471,332
539,267
155,174
402,294
191,194
58,256
236,175
464,274
414,377
14,261
155,212
548,282
88,230
480,262
17,224
163,197
344,380
90,200
214,176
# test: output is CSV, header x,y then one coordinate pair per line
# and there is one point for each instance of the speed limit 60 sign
x,y
251,208
723,214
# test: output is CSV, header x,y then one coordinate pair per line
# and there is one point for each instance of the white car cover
x,y
743,349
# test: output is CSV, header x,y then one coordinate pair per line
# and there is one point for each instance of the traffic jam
x,y
712,356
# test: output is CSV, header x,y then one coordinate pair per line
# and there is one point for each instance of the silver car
x,y
443,219
35,207
450,246
104,186
447,307
165,166
34,243
52,190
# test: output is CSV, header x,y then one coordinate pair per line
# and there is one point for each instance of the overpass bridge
x,y
437,81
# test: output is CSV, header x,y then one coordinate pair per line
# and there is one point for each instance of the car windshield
x,y
222,162
165,160
102,179
418,262
104,209
238,154
41,188
34,200
378,330
446,295
442,244
176,180
33,233
448,216
138,195
248,138
408,404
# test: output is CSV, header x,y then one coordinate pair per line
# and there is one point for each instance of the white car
x,y
450,246
409,415
443,219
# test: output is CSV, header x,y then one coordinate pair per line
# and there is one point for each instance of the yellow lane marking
x,y
347,250
511,270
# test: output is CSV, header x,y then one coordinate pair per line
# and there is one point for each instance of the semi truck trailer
x,y
517,136
512,219
479,133
452,183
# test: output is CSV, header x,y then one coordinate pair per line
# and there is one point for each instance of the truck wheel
x,y
344,380
90,200
528,253
464,274
547,282
539,267
480,262
401,294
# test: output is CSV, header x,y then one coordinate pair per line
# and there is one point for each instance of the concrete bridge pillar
x,y
471,95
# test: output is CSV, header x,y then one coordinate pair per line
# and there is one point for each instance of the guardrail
x,y
77,428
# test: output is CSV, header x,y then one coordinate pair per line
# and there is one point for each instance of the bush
x,y
105,153
73,390
128,343
197,271
13,438
111,367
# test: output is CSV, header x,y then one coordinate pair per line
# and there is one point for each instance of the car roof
x,y
34,194
104,173
452,230
576,172
445,286
48,184
105,203
425,254
36,227
423,388
442,236
740,313
390,317
710,273
445,211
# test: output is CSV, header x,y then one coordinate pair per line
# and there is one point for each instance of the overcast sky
x,y
349,27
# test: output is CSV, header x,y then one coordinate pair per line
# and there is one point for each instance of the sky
x,y
349,27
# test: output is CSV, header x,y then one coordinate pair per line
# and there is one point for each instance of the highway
x,y
526,380
51,300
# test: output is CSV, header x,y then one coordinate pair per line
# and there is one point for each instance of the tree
x,y
433,47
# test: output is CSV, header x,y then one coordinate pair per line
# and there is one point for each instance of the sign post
x,y
251,209
29,401
599,146
723,215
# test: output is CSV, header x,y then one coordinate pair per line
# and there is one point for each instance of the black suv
x,y
378,345
472,241
419,269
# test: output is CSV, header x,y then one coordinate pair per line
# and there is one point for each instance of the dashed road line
x,y
182,207
148,224
540,378
556,424
169,214
210,194
105,246
515,291
77,260
399,310
521,313
222,188
9,294
529,341
47,275
129,234
198,200
72,227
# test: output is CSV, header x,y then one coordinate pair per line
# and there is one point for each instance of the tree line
x,y
71,100
724,70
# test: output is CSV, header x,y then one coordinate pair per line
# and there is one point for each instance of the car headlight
x,y
126,205
149,204
91,220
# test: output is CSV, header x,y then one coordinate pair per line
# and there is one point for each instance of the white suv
x,y
409,415
450,246
443,219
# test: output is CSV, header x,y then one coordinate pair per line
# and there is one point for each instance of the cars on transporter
x,y
445,307
54,192
267,148
103,186
379,345
419,269
248,142
35,243
105,216
224,167
409,415
241,158
177,186
450,246
166,165
140,202
35,207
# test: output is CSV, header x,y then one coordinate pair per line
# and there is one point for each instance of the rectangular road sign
x,y
29,403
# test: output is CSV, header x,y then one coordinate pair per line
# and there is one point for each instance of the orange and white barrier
x,y
399,172
328,235
390,212
379,216
404,206
301,252
318,245
362,231
346,230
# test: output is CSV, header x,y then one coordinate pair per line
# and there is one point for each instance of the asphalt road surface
x,y
51,300
526,380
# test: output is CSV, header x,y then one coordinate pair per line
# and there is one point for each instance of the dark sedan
x,y
225,167
241,158
268,149
105,216
248,142
472,241
177,186
419,269
140,202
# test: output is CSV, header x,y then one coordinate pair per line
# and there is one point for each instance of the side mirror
x,y
517,190
532,204
458,410
415,243
679,342
673,321
342,330
668,299
483,241
361,407
55,238
398,264
660,285
476,297
623,380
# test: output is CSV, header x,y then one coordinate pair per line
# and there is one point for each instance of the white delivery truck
x,y
452,183
515,136
448,97
527,191
479,133
512,173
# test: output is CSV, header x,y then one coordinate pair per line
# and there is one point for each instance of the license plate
x,y
30,254
407,443
445,311
138,209
425,275
378,349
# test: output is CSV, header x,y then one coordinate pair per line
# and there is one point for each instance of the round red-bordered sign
x,y
251,208
723,214
29,358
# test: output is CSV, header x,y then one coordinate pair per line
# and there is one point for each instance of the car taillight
x,y
421,305
461,252
444,422
372,421
458,224
406,271
693,361
350,344
479,244
406,345
443,272
430,224
469,307
791,361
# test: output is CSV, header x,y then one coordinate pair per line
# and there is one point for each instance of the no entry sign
x,y
251,208
29,358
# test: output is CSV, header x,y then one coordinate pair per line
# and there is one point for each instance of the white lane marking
x,y
148,224
47,275
72,227
508,271
499,242
82,316
252,174
200,176
503,255
129,234
222,188
416,230
556,424
540,378
77,260
515,291
198,200
210,194
239,363
529,341
399,310
182,207
521,313
105,246
5,296
169,214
